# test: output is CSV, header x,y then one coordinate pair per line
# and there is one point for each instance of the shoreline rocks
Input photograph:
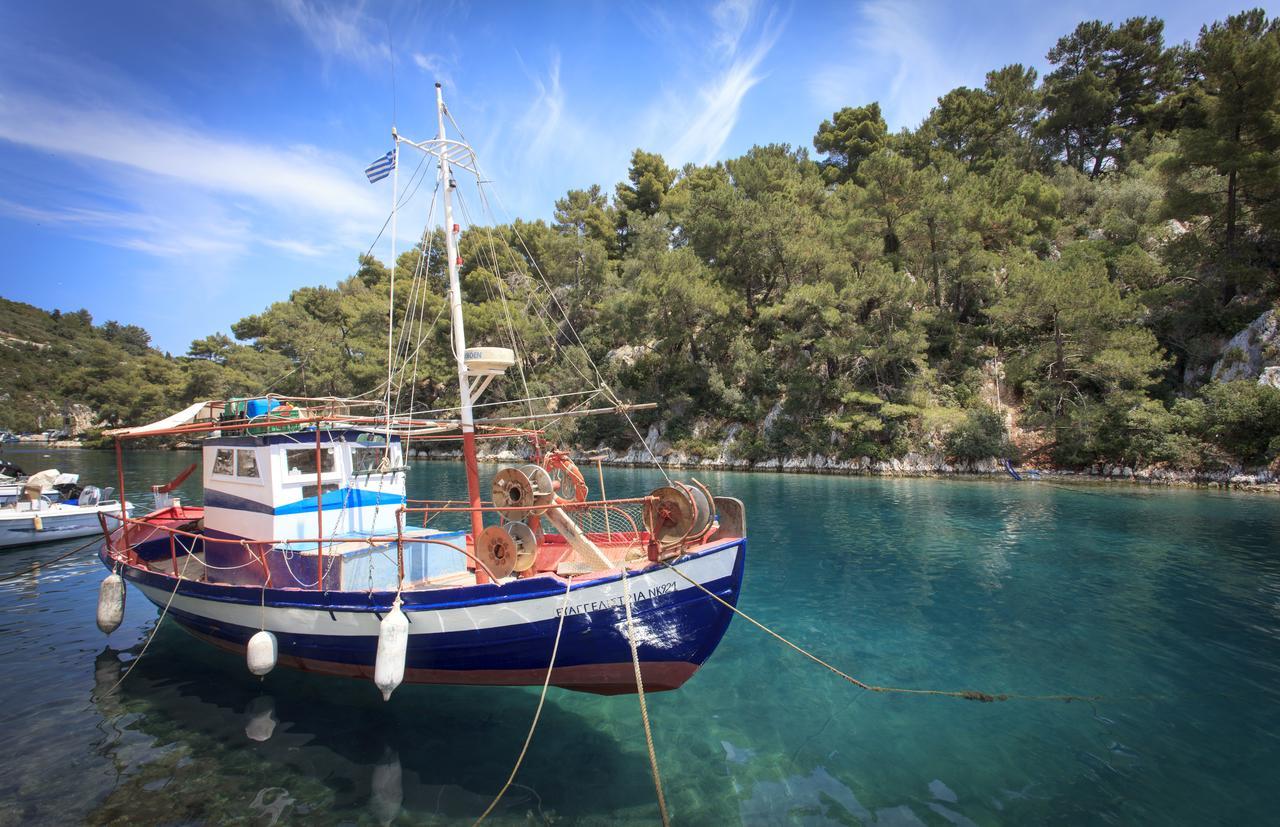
x,y
909,465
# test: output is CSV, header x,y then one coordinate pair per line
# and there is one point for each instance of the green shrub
x,y
982,434
1242,419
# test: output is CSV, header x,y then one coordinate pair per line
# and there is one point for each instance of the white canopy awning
x,y
197,412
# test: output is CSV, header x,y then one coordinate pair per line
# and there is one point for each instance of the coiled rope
x,y
964,694
555,648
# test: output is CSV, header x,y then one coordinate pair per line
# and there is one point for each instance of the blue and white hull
x,y
494,634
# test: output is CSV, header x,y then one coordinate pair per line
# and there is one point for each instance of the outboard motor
x,y
90,495
69,492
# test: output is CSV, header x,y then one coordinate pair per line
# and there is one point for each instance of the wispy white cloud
x,y
152,233
155,185
433,64
555,141
299,248
902,59
731,18
543,122
299,177
713,114
338,31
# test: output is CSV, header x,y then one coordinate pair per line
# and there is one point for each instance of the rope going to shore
x,y
644,707
45,563
555,648
964,694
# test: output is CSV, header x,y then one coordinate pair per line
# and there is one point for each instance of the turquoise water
x,y
1167,603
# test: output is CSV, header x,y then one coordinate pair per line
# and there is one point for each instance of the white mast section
x,y
456,154
391,310
455,290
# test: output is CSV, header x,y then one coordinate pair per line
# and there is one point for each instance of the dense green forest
x,y
1046,266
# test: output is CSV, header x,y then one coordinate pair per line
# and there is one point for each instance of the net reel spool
x,y
527,490
677,513
526,542
497,551
511,547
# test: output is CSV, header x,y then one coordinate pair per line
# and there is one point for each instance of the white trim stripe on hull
x,y
307,621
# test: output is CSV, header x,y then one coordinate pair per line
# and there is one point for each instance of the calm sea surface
x,y
1167,603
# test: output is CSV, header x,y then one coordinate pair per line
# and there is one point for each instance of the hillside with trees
x,y
1047,266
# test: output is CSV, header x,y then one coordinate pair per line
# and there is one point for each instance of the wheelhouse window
x,y
223,462
310,490
302,461
246,464
368,460
241,463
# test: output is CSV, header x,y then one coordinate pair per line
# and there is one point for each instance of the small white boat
x,y
52,484
29,521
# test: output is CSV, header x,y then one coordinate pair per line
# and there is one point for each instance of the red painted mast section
x,y
473,486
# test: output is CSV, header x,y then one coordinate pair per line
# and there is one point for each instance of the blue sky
x,y
181,165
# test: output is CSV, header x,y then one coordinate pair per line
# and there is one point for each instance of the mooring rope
x,y
644,707
45,563
555,648
155,628
964,694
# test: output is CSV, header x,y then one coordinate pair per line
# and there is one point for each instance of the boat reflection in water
x,y
219,745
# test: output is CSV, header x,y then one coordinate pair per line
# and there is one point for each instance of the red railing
x,y
131,532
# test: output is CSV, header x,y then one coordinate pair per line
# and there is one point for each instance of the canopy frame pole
x,y
124,514
319,516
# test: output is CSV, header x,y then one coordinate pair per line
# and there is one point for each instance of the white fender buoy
x,y
37,523
386,788
262,719
393,643
261,653
110,603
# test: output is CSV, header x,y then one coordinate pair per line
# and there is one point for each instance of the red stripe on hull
x,y
600,679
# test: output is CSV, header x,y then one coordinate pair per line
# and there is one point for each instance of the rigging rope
x,y
502,296
965,694
569,323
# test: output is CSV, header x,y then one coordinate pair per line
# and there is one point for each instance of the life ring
x,y
565,473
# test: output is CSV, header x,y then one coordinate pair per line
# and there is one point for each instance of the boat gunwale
x,y
376,601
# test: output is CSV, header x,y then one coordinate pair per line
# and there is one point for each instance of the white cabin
x,y
265,486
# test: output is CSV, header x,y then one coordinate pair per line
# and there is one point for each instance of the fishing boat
x,y
307,551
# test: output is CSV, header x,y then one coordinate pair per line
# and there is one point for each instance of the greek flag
x,y
381,168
